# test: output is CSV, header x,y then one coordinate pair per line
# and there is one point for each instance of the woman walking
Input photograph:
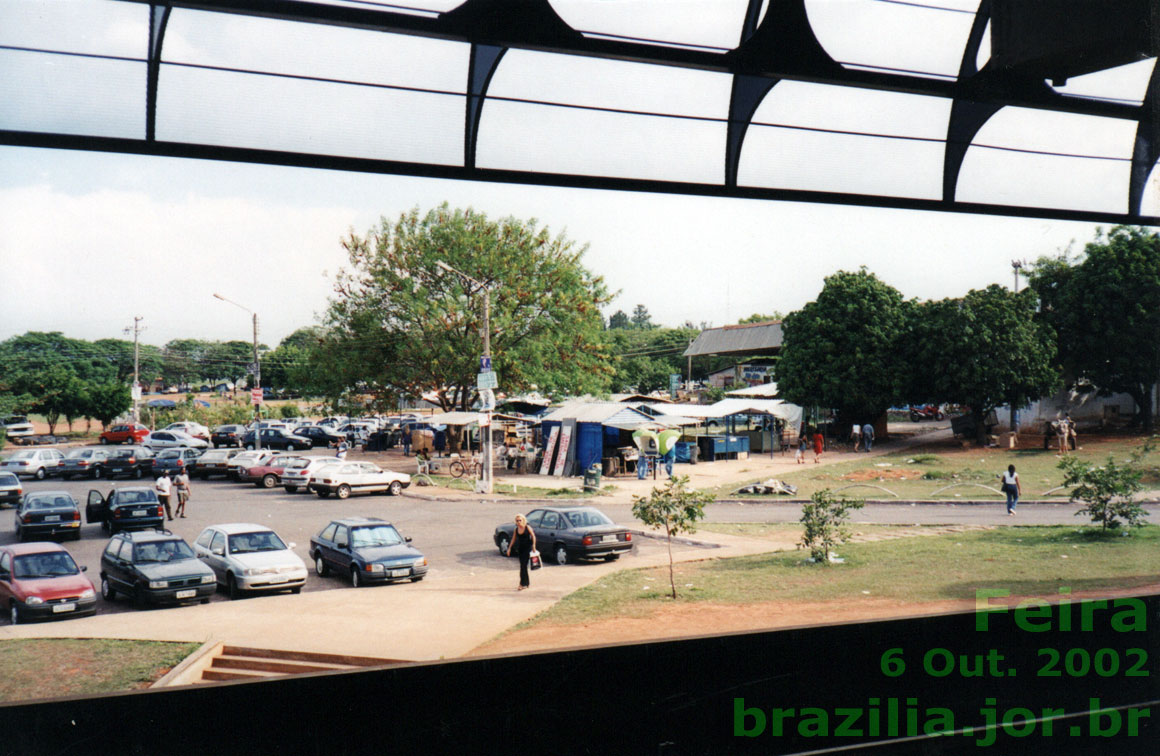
x,y
524,541
803,444
1012,488
819,445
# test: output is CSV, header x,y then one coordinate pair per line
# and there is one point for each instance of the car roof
x,y
361,521
133,488
33,494
232,528
35,547
139,536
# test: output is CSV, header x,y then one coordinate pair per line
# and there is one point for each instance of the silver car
x,y
167,439
36,463
250,558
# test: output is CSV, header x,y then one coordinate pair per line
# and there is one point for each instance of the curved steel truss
x,y
776,44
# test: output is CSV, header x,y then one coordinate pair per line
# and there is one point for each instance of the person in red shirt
x,y
819,445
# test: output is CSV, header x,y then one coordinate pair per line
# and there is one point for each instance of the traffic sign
x,y
135,392
487,381
486,400
485,363
256,396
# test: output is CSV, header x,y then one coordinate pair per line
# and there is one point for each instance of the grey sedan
x,y
247,557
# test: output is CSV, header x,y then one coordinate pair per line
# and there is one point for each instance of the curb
x,y
677,539
189,670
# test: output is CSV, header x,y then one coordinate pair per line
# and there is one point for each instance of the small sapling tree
x,y
674,508
1106,491
824,517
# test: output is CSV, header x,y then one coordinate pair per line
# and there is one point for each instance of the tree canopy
x,y
1105,309
400,325
841,350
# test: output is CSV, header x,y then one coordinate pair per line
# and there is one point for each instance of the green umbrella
x,y
645,440
667,439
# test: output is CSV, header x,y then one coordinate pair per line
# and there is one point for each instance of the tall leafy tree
x,y
641,317
1106,311
983,350
619,321
399,324
841,350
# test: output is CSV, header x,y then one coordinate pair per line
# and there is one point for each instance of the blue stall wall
x,y
589,446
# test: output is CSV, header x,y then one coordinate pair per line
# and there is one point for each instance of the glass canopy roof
x,y
875,102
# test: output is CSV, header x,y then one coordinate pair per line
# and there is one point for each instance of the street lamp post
x,y
257,371
487,460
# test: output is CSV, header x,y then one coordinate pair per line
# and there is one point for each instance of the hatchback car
x,y
84,462
345,478
11,489
48,513
214,462
172,439
17,428
368,549
130,461
269,473
174,461
154,567
298,475
197,430
125,508
227,435
248,459
34,463
569,533
42,581
247,557
125,433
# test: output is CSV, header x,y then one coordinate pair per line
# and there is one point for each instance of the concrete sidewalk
x,y
441,617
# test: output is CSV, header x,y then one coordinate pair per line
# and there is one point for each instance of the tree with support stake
x,y
674,508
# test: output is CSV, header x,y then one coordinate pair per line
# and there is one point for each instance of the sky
x,y
88,240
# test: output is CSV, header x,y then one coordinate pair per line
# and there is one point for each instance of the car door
x,y
117,563
546,533
218,556
6,591
96,509
341,554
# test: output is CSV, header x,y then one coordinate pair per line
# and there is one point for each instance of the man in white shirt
x,y
163,486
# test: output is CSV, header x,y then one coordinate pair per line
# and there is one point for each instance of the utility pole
x,y
1016,266
257,374
136,329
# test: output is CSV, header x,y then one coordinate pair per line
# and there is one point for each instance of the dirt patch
x,y
882,473
689,620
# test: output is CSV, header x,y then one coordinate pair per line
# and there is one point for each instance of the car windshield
x,y
8,479
169,454
52,564
23,455
123,454
375,535
80,453
587,518
136,497
246,543
49,501
161,551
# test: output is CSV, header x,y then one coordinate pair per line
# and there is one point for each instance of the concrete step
x,y
273,666
309,656
220,675
247,663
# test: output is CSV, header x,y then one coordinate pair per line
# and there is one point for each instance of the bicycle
x,y
458,468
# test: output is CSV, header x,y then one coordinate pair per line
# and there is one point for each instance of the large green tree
x,y
983,350
1105,309
841,350
400,324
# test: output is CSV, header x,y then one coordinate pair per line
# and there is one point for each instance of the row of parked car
x,y
41,580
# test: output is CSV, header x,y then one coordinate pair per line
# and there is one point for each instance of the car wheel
x,y
395,488
96,473
296,590
232,588
504,544
14,613
612,557
138,473
342,491
139,595
269,481
291,489
76,536
356,577
417,579
104,441
41,473
320,566
561,554
289,447
323,494
108,593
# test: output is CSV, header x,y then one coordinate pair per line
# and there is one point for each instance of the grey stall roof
x,y
752,338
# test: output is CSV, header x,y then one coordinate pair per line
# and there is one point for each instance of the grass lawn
x,y
926,472
518,491
56,667
1027,561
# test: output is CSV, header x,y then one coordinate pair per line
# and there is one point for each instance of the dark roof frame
x,y
781,47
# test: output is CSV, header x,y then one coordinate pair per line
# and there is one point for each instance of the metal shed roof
x,y
751,338
606,413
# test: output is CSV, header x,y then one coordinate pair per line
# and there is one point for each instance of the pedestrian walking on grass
x,y
1012,488
163,486
182,484
524,542
868,436
856,435
819,445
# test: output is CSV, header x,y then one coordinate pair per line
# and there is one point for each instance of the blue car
x,y
368,549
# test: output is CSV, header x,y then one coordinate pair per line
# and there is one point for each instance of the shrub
x,y
1106,491
824,518
675,508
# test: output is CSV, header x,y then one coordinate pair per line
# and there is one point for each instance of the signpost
x,y
256,396
487,381
674,384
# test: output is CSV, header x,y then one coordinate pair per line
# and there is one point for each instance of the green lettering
x,y
1130,616
845,728
1031,610
983,609
814,722
741,713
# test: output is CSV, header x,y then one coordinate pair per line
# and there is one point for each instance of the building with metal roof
x,y
749,338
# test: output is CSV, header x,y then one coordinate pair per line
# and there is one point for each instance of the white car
x,y
344,478
297,476
248,459
34,463
247,557
197,430
17,428
170,439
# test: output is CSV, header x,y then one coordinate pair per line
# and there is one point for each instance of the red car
x,y
126,433
41,580
268,475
